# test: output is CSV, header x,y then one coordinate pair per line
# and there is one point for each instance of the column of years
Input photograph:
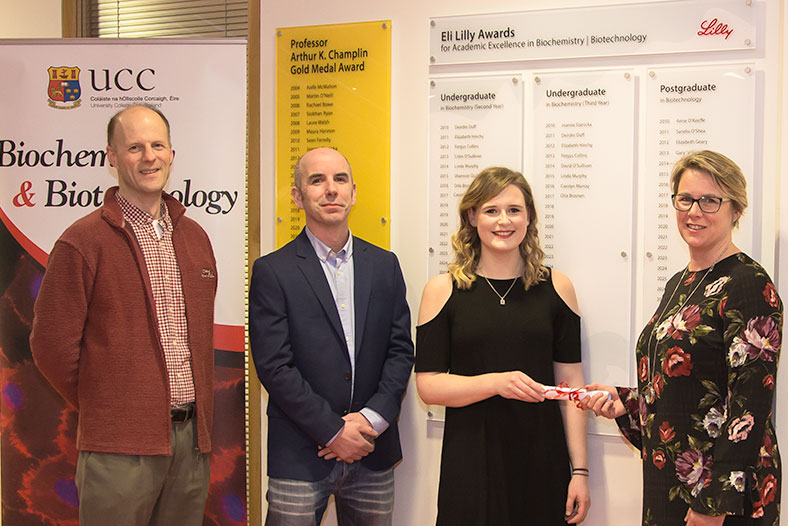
x,y
460,146
567,174
676,136
311,125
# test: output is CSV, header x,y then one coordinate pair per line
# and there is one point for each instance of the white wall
x,y
781,219
615,467
30,19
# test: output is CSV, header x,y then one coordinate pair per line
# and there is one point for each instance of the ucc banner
x,y
55,101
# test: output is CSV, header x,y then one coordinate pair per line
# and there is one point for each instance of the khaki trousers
x,y
145,490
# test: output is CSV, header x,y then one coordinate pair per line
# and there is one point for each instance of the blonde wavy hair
x,y
724,172
466,243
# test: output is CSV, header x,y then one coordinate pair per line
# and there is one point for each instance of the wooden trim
x,y
70,17
254,428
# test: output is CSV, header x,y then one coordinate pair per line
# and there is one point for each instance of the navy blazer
x,y
301,357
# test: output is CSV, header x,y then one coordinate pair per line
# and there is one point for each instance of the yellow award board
x,y
333,89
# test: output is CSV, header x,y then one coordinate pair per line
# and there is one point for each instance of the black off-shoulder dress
x,y
504,462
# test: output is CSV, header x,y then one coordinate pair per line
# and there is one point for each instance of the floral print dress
x,y
702,413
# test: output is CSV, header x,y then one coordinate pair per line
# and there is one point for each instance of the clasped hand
x,y
600,404
354,441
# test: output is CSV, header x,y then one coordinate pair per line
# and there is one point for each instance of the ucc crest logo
x,y
63,90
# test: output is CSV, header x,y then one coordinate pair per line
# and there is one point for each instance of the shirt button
x,y
342,305
339,272
175,342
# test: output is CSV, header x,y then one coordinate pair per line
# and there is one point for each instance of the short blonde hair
x,y
466,243
724,172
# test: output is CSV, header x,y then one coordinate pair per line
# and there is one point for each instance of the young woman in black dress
x,y
492,332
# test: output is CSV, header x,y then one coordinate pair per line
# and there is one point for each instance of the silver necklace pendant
x,y
502,299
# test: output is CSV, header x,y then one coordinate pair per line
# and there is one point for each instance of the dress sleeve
x,y
744,459
433,345
566,345
566,326
629,422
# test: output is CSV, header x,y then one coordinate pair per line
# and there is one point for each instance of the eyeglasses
x,y
709,204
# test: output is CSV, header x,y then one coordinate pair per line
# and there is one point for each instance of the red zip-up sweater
x,y
95,335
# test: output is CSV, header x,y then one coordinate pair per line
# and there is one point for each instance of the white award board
x,y
475,122
583,182
612,97
600,31
690,109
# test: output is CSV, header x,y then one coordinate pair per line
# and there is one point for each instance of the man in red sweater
x,y
123,329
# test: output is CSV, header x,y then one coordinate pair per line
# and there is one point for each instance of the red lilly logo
x,y
714,27
63,90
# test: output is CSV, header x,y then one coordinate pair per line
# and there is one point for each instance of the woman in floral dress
x,y
701,415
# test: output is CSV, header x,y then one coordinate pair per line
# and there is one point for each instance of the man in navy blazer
x,y
329,328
